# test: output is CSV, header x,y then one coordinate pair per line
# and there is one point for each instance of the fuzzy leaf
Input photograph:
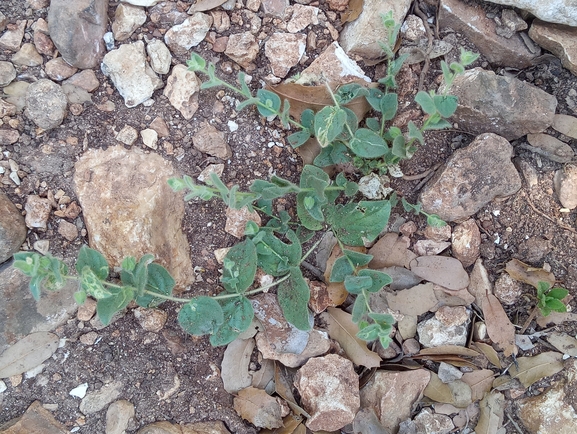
x,y
389,105
378,278
356,284
299,138
240,269
415,133
293,297
93,259
445,104
426,102
368,144
107,307
356,222
329,123
271,101
159,281
201,316
276,257
238,315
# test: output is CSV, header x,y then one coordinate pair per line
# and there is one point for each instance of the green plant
x,y
549,299
277,248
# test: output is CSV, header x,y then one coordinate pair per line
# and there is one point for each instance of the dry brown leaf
x,y
353,11
556,318
447,358
316,97
342,329
449,349
531,369
443,270
235,362
258,408
499,328
283,388
492,413
262,377
414,301
291,425
391,250
489,352
205,5
27,353
480,381
526,273
564,343
456,393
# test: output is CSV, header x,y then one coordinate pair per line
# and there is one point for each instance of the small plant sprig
x,y
549,299
374,147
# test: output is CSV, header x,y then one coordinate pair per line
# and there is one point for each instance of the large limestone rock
x,y
363,35
129,209
553,11
472,177
12,228
329,391
559,40
132,76
506,106
76,28
470,19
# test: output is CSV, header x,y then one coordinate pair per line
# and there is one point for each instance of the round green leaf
x,y
201,316
368,144
270,103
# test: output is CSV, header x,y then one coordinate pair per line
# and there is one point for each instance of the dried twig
x,y
425,69
551,219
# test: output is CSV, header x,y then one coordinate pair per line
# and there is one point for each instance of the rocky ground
x,y
98,109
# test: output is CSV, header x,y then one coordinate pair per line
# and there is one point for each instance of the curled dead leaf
x,y
531,369
303,97
527,274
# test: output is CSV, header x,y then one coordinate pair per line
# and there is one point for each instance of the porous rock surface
x,y
130,210
472,177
